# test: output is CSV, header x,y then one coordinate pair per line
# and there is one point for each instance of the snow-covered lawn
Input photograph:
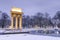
x,y
27,37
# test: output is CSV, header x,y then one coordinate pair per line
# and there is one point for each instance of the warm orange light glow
x,y
17,9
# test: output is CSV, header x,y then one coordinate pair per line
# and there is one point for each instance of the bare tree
x,y
5,19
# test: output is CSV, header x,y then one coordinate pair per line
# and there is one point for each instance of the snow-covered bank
x,y
27,37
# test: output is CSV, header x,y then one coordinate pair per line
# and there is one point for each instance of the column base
x,y
10,27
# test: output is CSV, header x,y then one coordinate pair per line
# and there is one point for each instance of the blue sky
x,y
30,7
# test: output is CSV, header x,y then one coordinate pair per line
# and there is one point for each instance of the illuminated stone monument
x,y
17,13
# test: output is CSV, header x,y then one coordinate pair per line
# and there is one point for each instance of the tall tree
x,y
5,19
38,19
57,18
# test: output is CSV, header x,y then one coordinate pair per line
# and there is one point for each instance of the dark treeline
x,y
37,20
4,20
42,20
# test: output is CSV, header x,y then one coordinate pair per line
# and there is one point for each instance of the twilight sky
x,y
30,7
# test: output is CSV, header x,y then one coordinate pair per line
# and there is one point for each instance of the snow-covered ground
x,y
27,37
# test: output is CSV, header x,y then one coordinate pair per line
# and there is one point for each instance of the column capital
x,y
18,15
14,15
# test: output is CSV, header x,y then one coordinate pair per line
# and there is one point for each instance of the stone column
x,y
16,22
11,27
12,21
20,26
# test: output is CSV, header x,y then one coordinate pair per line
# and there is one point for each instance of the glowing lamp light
x,y
16,9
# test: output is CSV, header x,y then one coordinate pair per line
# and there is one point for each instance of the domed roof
x,y
14,9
